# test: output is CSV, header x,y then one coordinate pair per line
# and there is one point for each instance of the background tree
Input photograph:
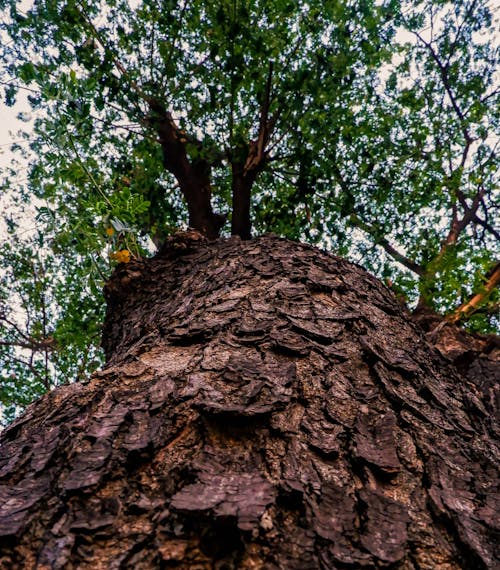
x,y
316,120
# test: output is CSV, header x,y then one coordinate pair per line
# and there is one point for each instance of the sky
x,y
9,123
9,127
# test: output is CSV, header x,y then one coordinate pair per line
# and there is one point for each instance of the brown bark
x,y
475,356
264,405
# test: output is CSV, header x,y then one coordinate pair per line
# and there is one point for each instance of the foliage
x,y
49,320
369,128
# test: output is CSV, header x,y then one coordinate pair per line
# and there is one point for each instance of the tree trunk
x,y
264,405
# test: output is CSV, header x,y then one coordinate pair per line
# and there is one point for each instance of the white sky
x,y
9,127
8,115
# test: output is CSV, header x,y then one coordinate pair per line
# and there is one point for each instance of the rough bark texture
x,y
265,405
475,356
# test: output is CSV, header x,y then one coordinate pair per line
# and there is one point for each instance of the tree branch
x,y
458,226
459,31
193,176
32,368
443,71
386,245
45,344
244,175
469,307
173,41
16,328
487,227
374,232
256,152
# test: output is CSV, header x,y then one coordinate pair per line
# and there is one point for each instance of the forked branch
x,y
193,176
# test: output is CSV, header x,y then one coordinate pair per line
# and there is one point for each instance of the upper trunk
x,y
264,405
241,224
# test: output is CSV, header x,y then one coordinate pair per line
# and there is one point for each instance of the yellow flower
x,y
110,231
122,256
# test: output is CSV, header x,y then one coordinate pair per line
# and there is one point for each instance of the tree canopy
x,y
369,128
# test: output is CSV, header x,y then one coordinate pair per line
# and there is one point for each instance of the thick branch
x,y
193,177
458,226
468,308
241,185
244,175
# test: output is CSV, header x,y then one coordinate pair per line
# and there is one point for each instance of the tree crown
x,y
365,127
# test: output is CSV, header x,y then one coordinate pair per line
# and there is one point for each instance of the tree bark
x,y
264,405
